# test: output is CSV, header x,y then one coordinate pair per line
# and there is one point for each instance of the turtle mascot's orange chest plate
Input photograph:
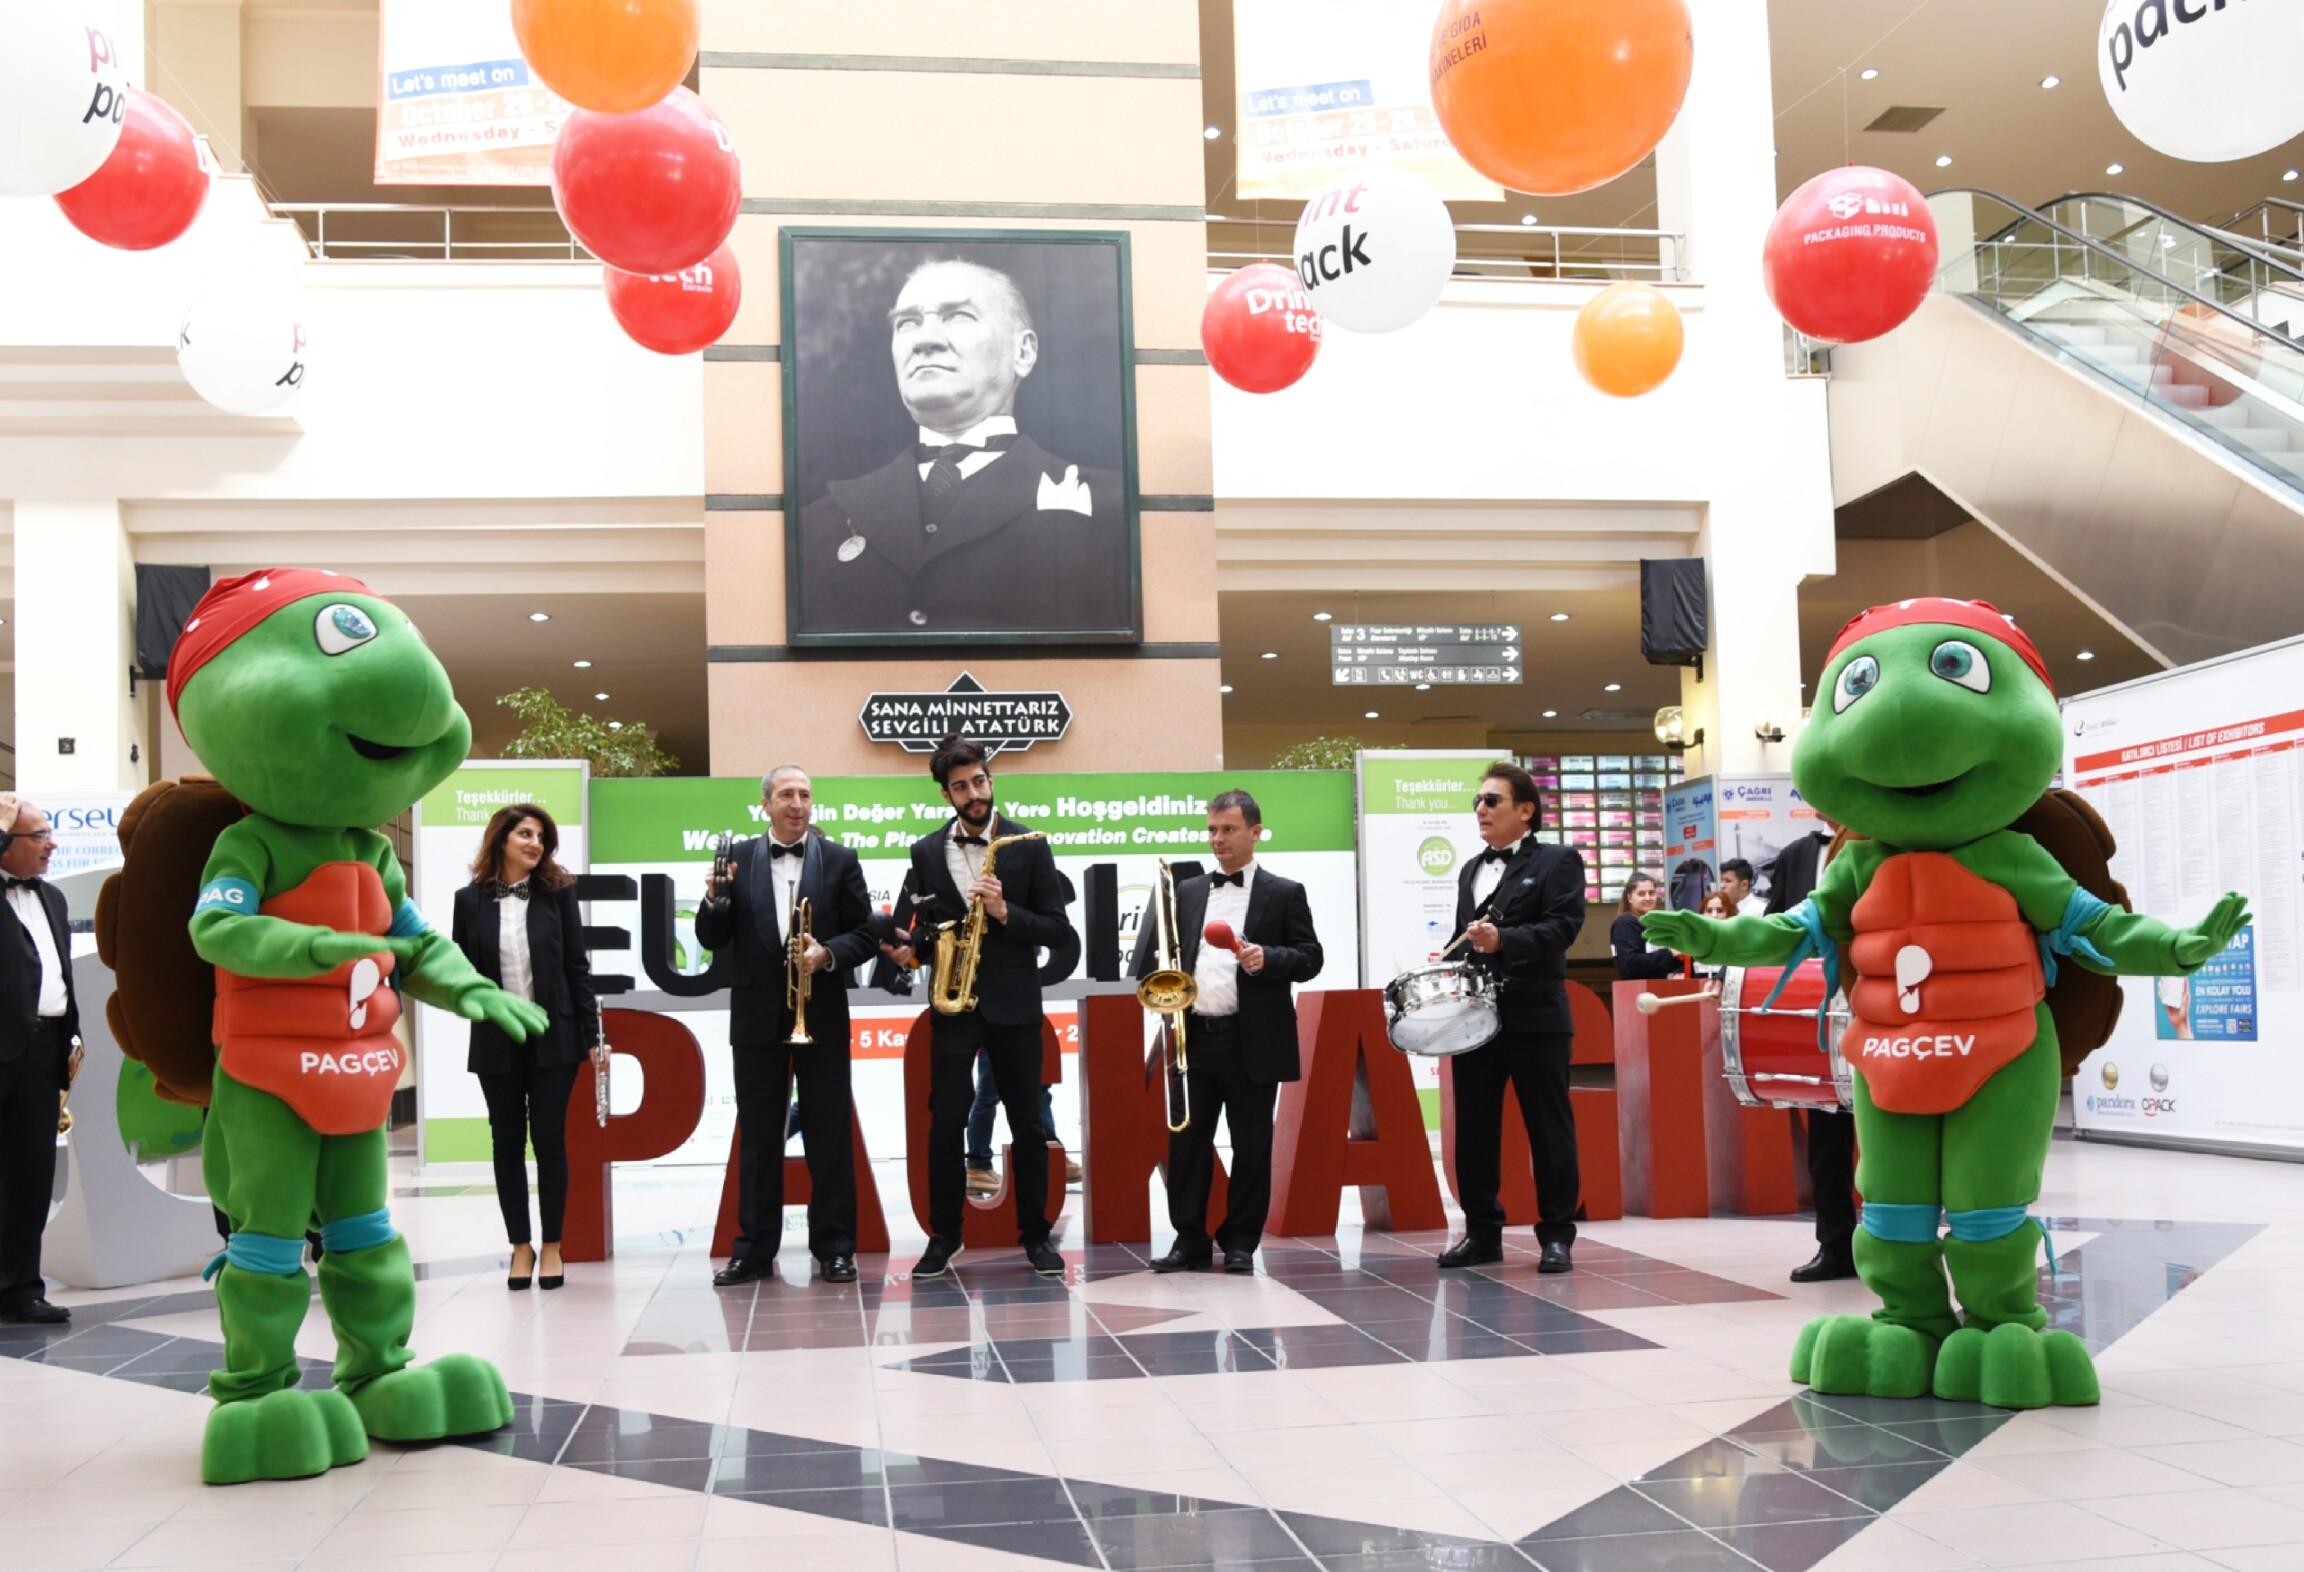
x,y
1947,978
323,1045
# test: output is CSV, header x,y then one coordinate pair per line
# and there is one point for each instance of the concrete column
x,y
75,641
1769,524
192,59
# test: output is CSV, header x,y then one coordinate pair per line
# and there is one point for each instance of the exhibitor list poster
x,y
2199,775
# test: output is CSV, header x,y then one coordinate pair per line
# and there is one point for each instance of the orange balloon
x,y
1628,339
613,56
1558,96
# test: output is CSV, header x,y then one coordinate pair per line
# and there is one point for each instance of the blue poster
x,y
2216,1004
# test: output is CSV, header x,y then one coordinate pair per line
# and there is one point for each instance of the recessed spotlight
x,y
1269,655
1612,687
2287,174
2113,169
1323,616
1528,221
1551,714
1943,160
615,725
599,698
1868,73
1224,687
2085,655
1211,133
583,665
1369,715
539,616
2051,80
1423,687
1559,616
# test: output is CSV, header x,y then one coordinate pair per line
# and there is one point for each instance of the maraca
x,y
1220,934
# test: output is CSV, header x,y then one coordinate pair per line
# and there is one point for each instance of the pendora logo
x,y
2109,1075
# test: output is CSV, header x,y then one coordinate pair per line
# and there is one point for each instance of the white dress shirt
x,y
33,914
1490,875
784,879
989,426
964,863
512,945
1753,905
1216,972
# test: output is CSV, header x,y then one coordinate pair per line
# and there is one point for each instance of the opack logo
x,y
2158,1103
1436,856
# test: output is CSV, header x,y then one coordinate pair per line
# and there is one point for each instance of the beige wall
x,y
1045,114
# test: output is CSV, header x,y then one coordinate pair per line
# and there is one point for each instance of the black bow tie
x,y
778,849
1238,881
517,891
968,840
1496,854
23,884
930,452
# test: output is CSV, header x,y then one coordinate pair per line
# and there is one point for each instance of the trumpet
x,y
960,946
799,982
1168,992
64,1097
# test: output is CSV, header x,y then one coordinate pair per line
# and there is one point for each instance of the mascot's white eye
x,y
1859,677
1956,660
340,627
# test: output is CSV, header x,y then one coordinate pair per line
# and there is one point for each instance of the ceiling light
x,y
1613,687
1224,687
1559,616
1368,715
1943,160
539,616
2051,80
599,698
1423,687
1269,655
2113,169
615,725
1551,714
1213,132
2085,655
1528,220
583,665
2287,174
1868,73
1323,616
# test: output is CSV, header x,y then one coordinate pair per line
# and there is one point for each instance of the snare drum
x,y
1436,1011
1770,1055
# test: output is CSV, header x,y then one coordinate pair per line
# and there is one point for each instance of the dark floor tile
x,y
900,1469
1850,1446
1900,1410
1595,1339
1100,1500
1596,1293
92,1364
1952,1437
1269,1338
925,1508
171,1380
1434,1558
1065,1542
1339,1356
1327,1537
772,1443
847,1469
1749,1500
1879,1487
1194,1539
1712,1460
1793,1547
1464,1343
777,1339
684,1473
1682,1551
655,1444
863,1505
1621,1511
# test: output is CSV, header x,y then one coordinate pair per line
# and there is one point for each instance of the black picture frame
x,y
845,424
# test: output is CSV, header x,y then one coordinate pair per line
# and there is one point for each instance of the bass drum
x,y
1770,1055
1438,1011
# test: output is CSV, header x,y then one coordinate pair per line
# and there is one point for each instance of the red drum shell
x,y
1771,1059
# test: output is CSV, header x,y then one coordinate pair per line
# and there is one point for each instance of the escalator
x,y
2117,392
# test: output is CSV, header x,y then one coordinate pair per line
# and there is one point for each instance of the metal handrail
x,y
1566,264
448,248
2166,217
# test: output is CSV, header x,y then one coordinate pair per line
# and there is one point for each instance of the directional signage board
x,y
1460,654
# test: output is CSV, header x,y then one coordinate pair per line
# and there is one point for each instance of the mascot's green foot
x,y
281,1435
454,1395
1852,1354
2012,1366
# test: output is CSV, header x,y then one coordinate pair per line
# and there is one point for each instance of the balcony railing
x,y
408,232
1498,251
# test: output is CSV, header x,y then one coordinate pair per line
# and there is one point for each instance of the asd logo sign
x,y
1436,856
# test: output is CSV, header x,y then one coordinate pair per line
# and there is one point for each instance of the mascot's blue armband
x,y
229,895
1813,942
2066,937
407,922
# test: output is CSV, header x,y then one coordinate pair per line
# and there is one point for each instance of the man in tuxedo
x,y
1024,901
39,1024
976,528
752,912
1240,1036
1831,1131
1521,903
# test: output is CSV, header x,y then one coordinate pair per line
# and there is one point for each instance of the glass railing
x,y
2129,311
2209,262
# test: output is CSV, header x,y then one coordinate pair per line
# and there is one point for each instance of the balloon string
x,y
180,94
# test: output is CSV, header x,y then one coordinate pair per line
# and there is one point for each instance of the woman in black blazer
x,y
517,922
1633,956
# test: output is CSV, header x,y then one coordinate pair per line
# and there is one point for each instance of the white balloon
x,y
1374,250
2204,80
63,94
243,350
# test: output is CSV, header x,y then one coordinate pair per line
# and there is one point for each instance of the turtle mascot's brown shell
x,y
164,996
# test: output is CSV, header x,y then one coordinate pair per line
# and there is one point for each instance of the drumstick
x,y
1478,917
1650,1003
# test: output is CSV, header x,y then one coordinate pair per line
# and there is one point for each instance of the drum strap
x,y
2067,939
1814,941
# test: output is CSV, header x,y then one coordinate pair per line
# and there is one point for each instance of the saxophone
x,y
957,953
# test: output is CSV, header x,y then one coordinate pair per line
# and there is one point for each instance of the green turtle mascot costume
x,y
319,708
1934,739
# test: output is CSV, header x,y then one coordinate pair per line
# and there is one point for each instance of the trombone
x,y
799,982
1168,992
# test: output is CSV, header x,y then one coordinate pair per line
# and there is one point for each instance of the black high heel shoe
x,y
549,1280
517,1282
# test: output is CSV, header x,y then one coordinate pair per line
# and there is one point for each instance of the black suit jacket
x,y
1633,957
1539,906
20,978
556,960
751,923
996,561
1792,876
1280,919
1008,974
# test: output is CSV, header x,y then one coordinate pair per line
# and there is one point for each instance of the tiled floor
x,y
1347,1408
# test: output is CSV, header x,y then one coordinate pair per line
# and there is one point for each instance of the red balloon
x,y
1260,329
151,188
678,313
652,192
1850,255
1220,934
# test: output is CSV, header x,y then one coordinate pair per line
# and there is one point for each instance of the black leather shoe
x,y
1471,1252
840,1268
1241,1263
1825,1266
743,1269
1555,1259
937,1257
1179,1260
35,1312
1045,1259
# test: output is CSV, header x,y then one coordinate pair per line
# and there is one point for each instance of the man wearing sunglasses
x,y
39,1022
1521,904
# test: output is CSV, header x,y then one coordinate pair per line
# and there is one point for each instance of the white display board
x,y
1713,820
2200,775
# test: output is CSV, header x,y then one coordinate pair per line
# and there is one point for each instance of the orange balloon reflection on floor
x,y
1628,339
1559,96
613,56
